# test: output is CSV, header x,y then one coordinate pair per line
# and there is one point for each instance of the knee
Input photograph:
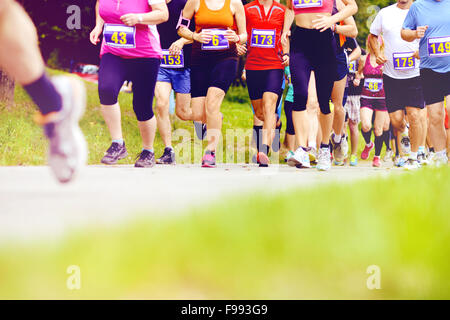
x,y
436,117
378,131
161,107
107,93
414,118
366,126
398,122
312,106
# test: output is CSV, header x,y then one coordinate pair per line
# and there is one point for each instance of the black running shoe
x,y
145,160
200,130
115,153
168,157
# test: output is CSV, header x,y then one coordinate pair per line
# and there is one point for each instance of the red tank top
x,y
312,6
373,81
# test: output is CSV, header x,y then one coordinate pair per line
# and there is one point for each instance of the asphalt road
x,y
33,205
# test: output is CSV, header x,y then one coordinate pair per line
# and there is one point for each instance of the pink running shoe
x,y
376,162
366,152
209,160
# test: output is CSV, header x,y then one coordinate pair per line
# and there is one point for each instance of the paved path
x,y
33,205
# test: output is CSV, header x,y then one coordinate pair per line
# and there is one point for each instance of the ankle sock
x,y
44,94
119,141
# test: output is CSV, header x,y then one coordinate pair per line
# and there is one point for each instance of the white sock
x,y
337,138
442,153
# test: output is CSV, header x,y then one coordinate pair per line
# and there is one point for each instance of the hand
x,y
130,19
285,38
416,55
323,22
231,35
244,75
356,82
285,60
241,49
95,35
204,36
420,32
381,59
176,47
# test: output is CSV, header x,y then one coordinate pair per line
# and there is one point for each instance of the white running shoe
x,y
324,159
423,160
67,147
299,159
400,161
440,160
411,164
388,155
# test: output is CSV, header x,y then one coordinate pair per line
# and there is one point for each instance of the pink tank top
x,y
140,41
312,6
373,81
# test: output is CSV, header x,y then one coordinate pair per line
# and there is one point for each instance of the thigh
x,y
366,115
300,76
324,85
380,118
181,81
199,80
111,76
223,74
255,84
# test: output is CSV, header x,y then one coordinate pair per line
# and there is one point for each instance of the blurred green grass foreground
x,y
302,244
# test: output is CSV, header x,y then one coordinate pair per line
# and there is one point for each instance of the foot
x,y
388,155
353,160
67,147
209,160
366,152
115,153
405,145
168,157
324,159
376,162
411,164
399,161
440,160
338,150
288,156
200,130
145,160
299,159
262,159
423,160
312,152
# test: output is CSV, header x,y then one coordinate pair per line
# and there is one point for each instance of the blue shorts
x,y
342,66
179,78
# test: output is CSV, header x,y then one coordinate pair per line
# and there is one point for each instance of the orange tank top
x,y
207,18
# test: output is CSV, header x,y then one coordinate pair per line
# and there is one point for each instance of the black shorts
x,y
288,106
401,93
260,81
436,86
219,74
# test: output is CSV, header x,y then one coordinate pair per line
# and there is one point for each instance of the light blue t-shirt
x,y
436,15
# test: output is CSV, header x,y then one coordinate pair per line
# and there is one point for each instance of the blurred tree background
x,y
62,47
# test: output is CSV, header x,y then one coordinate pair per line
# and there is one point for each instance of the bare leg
x,y
214,100
112,117
416,131
162,93
437,129
301,126
269,105
312,109
183,106
337,97
354,136
148,131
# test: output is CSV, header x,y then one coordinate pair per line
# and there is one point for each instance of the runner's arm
x,y
288,20
94,37
355,55
349,28
239,15
324,22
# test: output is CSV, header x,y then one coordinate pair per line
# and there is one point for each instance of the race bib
x,y
263,38
172,62
352,68
373,85
404,61
439,47
119,36
218,41
301,4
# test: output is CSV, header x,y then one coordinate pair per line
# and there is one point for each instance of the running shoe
x,y
388,155
145,160
324,159
440,160
67,147
400,161
299,159
200,130
353,160
262,159
338,151
209,160
344,146
168,157
115,153
411,164
288,155
423,160
405,145
376,162
366,152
